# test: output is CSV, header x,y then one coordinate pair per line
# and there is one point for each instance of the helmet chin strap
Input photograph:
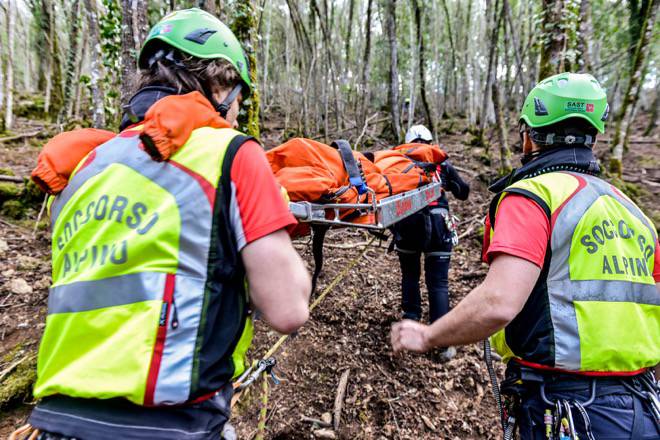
x,y
225,105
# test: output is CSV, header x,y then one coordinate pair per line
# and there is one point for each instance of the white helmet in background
x,y
418,132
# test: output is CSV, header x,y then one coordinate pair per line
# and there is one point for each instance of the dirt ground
x,y
406,396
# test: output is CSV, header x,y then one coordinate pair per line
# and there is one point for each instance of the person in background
x,y
429,232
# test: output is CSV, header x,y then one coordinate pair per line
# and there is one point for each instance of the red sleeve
x,y
257,206
522,229
656,265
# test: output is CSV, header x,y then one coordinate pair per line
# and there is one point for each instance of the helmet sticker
x,y
539,108
590,108
160,29
577,107
200,36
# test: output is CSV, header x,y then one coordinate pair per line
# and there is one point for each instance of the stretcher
x,y
381,213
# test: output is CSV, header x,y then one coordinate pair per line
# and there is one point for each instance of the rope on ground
x,y
322,296
242,383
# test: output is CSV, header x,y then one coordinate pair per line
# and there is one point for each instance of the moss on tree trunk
x,y
244,27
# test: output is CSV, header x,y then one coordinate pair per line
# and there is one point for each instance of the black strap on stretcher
x,y
353,168
356,180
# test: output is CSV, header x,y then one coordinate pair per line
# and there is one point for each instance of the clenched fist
x,y
410,335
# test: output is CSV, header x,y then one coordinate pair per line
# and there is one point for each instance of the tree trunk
x,y
414,54
96,68
421,59
517,48
655,111
505,151
349,29
492,67
452,77
624,116
134,29
244,27
583,58
71,63
390,25
638,12
366,67
466,66
207,5
9,82
553,41
80,85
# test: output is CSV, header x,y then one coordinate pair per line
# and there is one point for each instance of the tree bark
x,y
492,66
71,63
366,66
655,111
96,68
452,48
505,151
244,27
349,29
583,59
624,116
390,25
553,38
9,81
134,29
414,54
421,60
207,5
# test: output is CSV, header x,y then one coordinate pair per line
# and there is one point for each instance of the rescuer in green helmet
x,y
571,301
149,317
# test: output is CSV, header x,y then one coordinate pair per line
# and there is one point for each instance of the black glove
x,y
452,181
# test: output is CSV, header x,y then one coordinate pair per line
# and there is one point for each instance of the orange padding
x,y
171,120
314,172
166,128
61,155
423,152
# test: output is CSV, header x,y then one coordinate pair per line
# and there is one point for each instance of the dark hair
x,y
170,67
576,127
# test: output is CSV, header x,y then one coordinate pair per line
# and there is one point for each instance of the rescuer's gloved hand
x,y
452,181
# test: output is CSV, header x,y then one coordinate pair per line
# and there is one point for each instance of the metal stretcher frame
x,y
386,211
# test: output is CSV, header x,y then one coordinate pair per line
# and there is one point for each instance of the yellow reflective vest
x,y
595,308
148,300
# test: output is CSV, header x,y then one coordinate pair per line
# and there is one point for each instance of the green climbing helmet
x,y
563,96
201,35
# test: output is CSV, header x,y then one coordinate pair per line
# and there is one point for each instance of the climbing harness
x,y
252,373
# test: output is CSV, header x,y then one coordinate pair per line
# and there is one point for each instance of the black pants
x,y
424,232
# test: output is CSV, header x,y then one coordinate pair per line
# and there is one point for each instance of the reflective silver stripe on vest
x,y
175,374
562,291
174,377
83,296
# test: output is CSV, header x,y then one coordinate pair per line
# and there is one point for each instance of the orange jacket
x,y
166,127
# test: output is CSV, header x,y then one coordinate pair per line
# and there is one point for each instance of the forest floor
x,y
387,396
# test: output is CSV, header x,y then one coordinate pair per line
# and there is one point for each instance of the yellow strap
x,y
316,302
